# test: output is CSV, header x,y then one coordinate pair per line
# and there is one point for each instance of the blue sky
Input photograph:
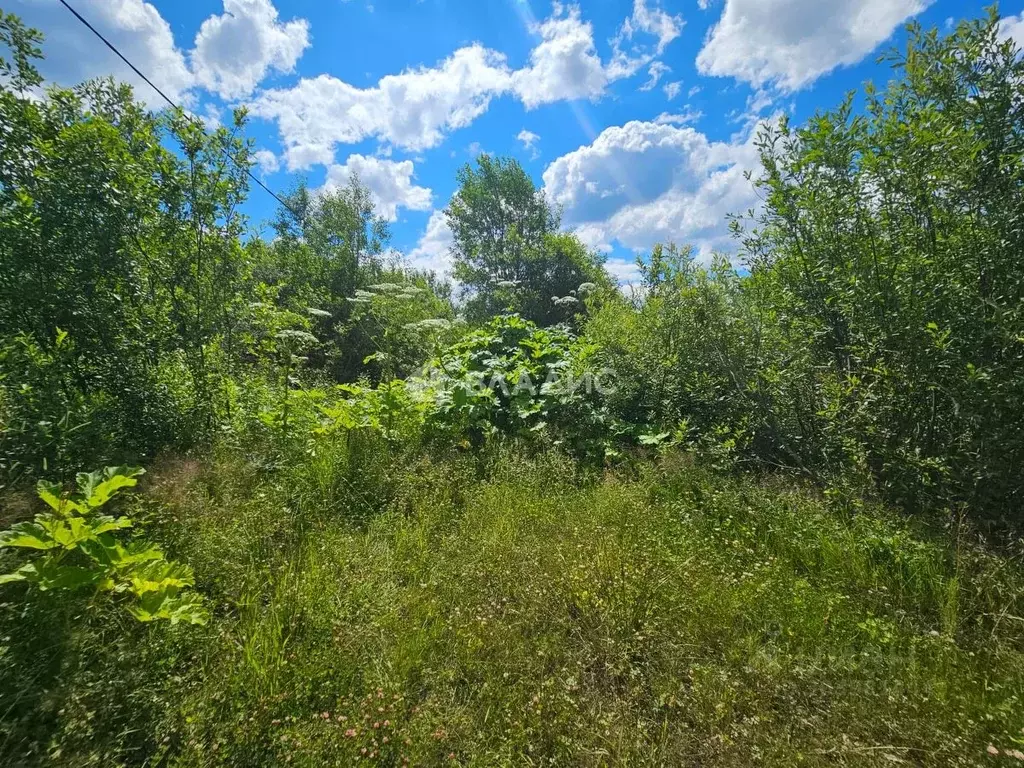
x,y
636,116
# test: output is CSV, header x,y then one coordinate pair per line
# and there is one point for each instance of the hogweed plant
x,y
79,548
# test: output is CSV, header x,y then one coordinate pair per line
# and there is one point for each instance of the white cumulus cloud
x,y
267,160
655,22
648,21
1012,28
529,141
625,271
433,250
654,73
791,43
413,110
136,28
528,138
235,51
564,65
390,183
649,182
418,108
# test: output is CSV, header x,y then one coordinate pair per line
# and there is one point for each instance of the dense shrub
x,y
891,240
513,379
685,357
879,331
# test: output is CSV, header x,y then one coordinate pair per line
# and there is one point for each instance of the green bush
x,y
513,379
878,334
79,549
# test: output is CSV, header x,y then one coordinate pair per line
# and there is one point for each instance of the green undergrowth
x,y
520,611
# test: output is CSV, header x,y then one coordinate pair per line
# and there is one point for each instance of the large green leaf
x,y
107,550
105,524
22,574
51,532
161,576
87,482
70,532
98,487
53,494
654,439
29,536
104,549
174,608
47,575
139,552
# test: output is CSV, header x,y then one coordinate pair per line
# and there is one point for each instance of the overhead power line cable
x,y
166,98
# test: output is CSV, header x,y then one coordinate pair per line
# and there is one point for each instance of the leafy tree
x,y
327,259
878,336
889,249
686,355
496,216
78,174
203,272
328,243
507,250
23,43
126,249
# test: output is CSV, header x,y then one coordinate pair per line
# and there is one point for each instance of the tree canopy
x,y
509,253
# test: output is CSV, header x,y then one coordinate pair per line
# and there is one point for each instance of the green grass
x,y
521,612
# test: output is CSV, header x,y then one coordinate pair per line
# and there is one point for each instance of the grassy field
x,y
521,611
